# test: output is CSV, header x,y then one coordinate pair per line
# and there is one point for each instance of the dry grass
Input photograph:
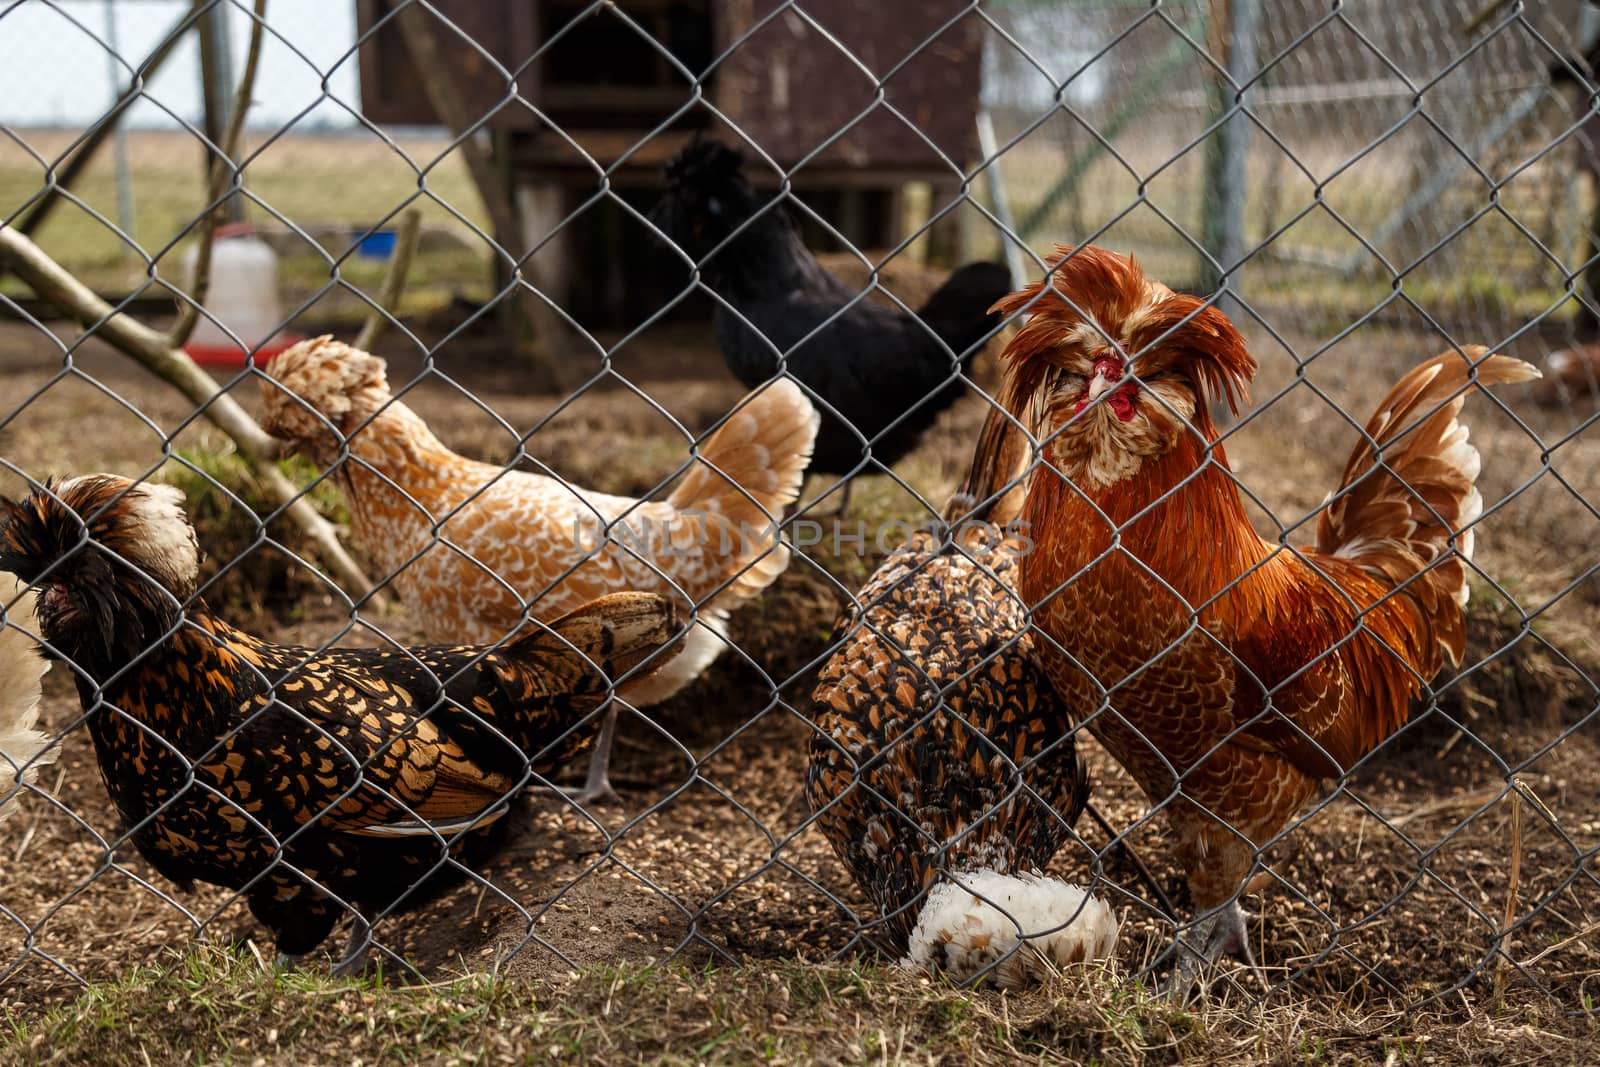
x,y
330,189
778,1013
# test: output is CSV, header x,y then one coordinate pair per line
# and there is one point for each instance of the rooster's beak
x,y
1108,374
1101,384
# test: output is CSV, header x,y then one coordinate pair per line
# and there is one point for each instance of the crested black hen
x,y
879,375
943,770
314,782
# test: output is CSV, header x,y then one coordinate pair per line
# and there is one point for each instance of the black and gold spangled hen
x,y
943,770
314,782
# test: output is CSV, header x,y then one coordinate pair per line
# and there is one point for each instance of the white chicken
x,y
23,749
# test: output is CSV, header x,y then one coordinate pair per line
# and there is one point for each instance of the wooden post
x,y
532,324
1587,322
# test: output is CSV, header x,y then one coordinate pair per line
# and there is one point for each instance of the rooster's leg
x,y
353,960
1223,931
597,785
844,501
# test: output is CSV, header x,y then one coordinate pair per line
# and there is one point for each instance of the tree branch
x,y
150,349
530,321
394,283
436,76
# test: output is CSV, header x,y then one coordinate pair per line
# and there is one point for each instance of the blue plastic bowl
x,y
376,245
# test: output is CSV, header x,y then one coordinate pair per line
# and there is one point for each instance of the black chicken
x,y
879,376
314,782
944,770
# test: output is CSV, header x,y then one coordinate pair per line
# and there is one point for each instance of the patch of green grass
x,y
213,480
212,1004
227,504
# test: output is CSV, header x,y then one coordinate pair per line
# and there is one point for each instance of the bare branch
x,y
394,284
84,154
436,77
533,325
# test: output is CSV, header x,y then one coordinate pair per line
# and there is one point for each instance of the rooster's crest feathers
x,y
705,162
141,523
1096,297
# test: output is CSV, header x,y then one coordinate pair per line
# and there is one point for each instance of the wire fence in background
x,y
1375,184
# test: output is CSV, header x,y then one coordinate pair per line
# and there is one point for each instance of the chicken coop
x,y
613,95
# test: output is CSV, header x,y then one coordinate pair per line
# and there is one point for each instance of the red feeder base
x,y
234,356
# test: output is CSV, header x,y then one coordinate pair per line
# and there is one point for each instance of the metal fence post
x,y
119,135
216,88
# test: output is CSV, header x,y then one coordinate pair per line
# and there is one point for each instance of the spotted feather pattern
x,y
939,744
307,779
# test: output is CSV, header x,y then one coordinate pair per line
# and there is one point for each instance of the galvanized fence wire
x,y
1115,177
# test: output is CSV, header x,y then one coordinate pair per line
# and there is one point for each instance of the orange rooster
x,y
472,547
1228,674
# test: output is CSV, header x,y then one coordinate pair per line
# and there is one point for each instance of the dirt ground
x,y
1391,893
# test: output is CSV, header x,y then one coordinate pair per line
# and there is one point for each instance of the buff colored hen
x,y
474,547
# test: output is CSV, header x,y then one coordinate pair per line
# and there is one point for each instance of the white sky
x,y
53,73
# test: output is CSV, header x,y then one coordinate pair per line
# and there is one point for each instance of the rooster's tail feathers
x,y
1022,926
1410,487
751,470
996,481
21,667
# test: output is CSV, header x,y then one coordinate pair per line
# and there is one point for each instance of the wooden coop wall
x,y
786,86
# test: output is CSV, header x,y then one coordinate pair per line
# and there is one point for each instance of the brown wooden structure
x,y
602,104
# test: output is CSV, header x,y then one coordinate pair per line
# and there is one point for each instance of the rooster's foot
x,y
596,786
353,960
592,792
1204,943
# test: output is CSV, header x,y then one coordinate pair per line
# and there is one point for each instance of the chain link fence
x,y
1360,186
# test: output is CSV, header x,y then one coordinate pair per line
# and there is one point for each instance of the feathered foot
x,y
597,784
1019,928
1224,931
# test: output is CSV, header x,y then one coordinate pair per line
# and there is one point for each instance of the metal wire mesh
x,y
1358,185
